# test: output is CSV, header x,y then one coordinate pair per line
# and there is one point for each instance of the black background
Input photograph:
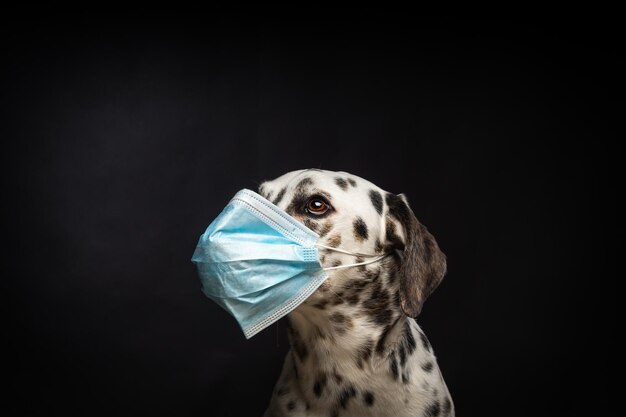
x,y
124,137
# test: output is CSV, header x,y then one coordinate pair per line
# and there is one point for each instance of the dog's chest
x,y
397,383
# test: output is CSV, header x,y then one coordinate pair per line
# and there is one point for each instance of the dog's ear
x,y
423,264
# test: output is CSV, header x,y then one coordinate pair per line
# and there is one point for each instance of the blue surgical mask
x,y
259,263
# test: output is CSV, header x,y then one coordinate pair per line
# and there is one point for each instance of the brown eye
x,y
316,206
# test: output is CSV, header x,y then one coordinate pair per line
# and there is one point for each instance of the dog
x,y
356,349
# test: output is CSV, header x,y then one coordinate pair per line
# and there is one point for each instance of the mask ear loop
x,y
367,255
371,261
377,257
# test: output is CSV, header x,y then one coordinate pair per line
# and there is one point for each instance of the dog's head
x,y
353,214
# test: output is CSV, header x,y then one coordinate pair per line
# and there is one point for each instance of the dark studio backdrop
x,y
124,137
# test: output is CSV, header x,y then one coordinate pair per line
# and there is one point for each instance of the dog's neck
x,y
355,331
353,346
334,336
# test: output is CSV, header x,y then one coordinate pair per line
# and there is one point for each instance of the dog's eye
x,y
317,206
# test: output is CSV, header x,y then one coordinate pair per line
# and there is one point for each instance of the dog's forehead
x,y
322,180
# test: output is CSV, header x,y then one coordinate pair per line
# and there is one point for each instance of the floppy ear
x,y
423,265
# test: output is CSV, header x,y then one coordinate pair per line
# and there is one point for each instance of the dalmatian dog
x,y
356,349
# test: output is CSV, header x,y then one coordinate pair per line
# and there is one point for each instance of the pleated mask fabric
x,y
259,263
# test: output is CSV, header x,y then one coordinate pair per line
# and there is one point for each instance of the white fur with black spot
x,y
329,370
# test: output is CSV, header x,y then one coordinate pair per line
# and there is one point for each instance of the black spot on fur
x,y
383,317
334,240
398,208
303,183
372,275
341,183
394,367
365,353
346,395
432,410
338,318
405,377
279,196
368,397
377,201
291,405
425,341
377,305
391,236
352,182
396,299
319,385
317,388
360,229
338,298
340,322
428,366
353,298
402,354
447,406
405,346
408,337
380,345
326,227
355,290
310,224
